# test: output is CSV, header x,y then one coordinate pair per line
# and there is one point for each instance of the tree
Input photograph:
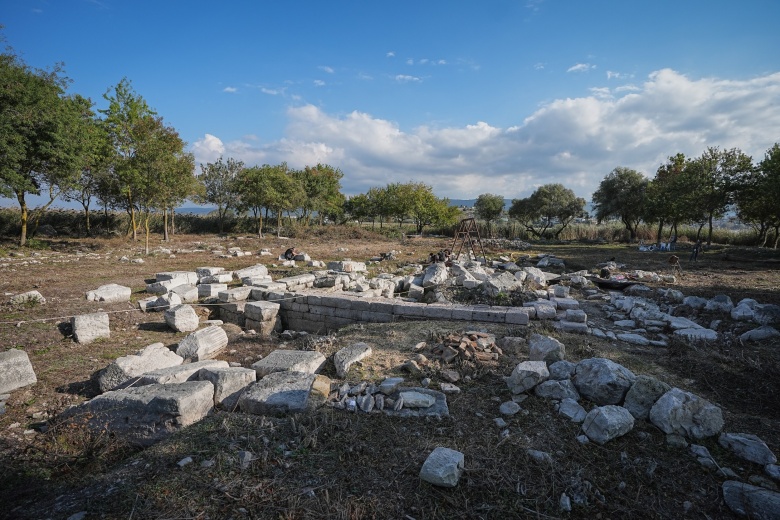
x,y
36,122
321,186
757,194
714,177
424,207
358,207
621,194
549,206
489,207
381,204
670,195
220,186
92,160
125,111
257,191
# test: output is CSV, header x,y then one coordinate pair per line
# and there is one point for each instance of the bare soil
x,y
335,464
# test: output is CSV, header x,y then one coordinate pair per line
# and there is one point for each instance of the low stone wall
x,y
318,312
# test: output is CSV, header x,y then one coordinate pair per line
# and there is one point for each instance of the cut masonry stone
x,y
110,293
16,371
125,368
602,380
346,357
283,392
748,446
146,414
605,423
179,373
684,413
307,362
202,344
261,310
182,318
28,297
443,467
187,292
89,327
229,383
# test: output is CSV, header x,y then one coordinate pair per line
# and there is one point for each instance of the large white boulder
x,y
684,413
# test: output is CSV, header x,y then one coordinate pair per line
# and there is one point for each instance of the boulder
x,y
16,371
29,297
748,447
435,274
345,357
146,414
125,368
643,394
533,278
720,303
545,348
559,390
110,293
503,282
202,344
760,334
751,501
527,375
182,318
89,327
571,409
443,467
605,423
562,370
603,381
768,314
684,413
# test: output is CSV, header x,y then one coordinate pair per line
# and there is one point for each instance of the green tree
x,y
424,208
757,196
489,207
670,196
322,188
381,204
37,123
550,207
125,111
714,178
93,160
257,190
358,207
220,186
621,194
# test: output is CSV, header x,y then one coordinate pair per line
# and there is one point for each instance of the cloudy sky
x,y
498,96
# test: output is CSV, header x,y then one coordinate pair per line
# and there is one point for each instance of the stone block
x,y
187,292
205,343
126,368
517,316
147,414
346,357
461,313
180,277
110,293
409,309
306,362
489,314
262,310
279,392
16,371
211,290
182,318
443,467
438,312
208,271
265,328
178,373
255,270
229,383
236,294
89,327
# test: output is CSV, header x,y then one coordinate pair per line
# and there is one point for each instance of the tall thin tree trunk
x,y
165,225
24,215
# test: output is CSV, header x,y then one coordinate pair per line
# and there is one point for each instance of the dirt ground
x,y
335,464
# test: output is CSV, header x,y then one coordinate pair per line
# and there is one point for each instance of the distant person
x,y
696,250
290,254
673,243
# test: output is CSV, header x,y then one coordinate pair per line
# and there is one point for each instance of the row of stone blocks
x,y
320,312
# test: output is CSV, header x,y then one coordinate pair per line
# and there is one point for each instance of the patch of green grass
x,y
37,244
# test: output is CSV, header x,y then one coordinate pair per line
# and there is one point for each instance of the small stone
x,y
451,376
509,408
185,461
676,441
564,503
426,382
501,423
449,388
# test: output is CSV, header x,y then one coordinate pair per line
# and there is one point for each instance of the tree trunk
x,y
660,231
86,219
777,236
709,235
173,222
23,220
146,226
165,225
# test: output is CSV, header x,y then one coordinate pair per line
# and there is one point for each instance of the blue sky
x,y
470,97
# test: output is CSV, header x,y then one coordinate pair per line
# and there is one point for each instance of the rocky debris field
x,y
654,399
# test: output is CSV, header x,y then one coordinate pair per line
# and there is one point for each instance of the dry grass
x,y
335,464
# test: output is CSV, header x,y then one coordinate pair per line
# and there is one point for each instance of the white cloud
x,y
271,91
409,61
230,89
390,54
573,141
581,67
319,83
327,69
539,66
364,76
405,78
611,74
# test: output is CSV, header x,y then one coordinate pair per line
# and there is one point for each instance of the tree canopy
x,y
551,207
622,195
